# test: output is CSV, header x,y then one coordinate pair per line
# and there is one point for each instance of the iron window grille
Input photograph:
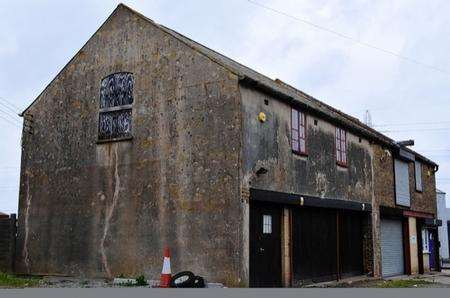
x,y
116,100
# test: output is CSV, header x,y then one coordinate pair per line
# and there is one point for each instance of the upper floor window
x,y
401,175
341,146
298,131
116,99
418,175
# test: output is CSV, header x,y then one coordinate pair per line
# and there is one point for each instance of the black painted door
x,y
314,244
265,245
350,243
448,239
327,244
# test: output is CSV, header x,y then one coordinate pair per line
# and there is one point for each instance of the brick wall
x,y
367,245
424,201
384,183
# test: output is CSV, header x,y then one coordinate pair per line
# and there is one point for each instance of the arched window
x,y
116,99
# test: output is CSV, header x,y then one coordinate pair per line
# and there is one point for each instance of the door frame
x,y
254,206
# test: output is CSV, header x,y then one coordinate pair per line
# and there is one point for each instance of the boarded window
x,y
116,99
298,131
402,196
341,146
418,175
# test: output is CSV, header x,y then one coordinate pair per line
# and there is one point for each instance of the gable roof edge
x,y
70,61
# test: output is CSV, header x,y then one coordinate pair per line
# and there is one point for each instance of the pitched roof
x,y
277,87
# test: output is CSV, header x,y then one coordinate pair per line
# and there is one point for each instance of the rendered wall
x,y
90,209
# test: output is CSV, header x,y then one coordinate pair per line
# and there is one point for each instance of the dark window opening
x,y
298,131
418,175
116,99
266,102
341,147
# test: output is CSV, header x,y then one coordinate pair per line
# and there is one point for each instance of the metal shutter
x,y
391,247
401,183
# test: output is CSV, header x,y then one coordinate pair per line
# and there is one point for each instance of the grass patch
x,y
404,283
11,281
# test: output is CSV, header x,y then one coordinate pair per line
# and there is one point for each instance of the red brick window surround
x,y
298,132
341,147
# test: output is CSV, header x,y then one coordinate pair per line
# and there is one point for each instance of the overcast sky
x,y
37,38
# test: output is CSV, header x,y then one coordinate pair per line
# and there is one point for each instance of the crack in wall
x,y
109,214
25,252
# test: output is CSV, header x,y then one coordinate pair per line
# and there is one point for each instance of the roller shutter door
x,y
391,247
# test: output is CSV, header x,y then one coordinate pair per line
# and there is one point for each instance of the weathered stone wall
x,y
384,183
267,145
383,168
90,209
368,249
384,191
424,201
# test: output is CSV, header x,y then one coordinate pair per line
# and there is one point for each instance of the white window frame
x,y
267,224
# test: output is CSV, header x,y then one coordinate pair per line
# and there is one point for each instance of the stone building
x,y
405,197
147,138
444,231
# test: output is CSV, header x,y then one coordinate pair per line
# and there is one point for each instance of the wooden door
x,y
350,243
314,255
265,245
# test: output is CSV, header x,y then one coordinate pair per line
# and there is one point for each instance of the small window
x,y
298,131
116,99
267,224
418,175
341,146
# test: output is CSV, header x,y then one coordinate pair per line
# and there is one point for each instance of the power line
x,y
9,121
349,38
11,116
9,108
411,123
11,104
415,130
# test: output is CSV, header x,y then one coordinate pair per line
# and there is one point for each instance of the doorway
x,y
265,245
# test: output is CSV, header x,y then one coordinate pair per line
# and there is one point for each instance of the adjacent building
x,y
147,138
444,230
404,188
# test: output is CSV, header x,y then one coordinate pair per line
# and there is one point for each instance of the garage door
x,y
327,244
391,247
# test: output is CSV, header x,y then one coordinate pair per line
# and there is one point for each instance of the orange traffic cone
x,y
166,274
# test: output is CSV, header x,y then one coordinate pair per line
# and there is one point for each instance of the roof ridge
x,y
245,72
